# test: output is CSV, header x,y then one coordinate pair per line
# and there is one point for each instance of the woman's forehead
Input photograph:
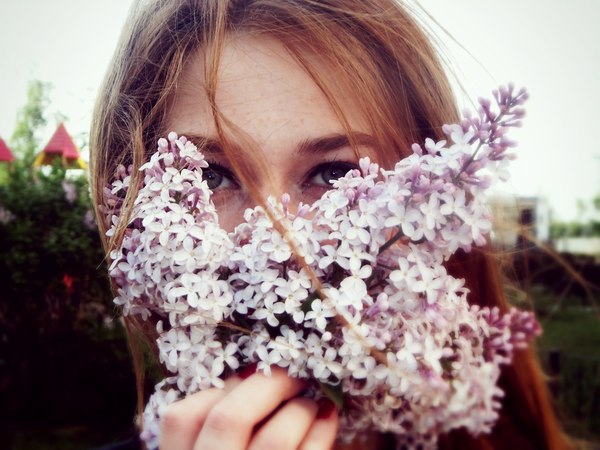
x,y
262,89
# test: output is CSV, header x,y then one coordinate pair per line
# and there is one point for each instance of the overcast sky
x,y
551,49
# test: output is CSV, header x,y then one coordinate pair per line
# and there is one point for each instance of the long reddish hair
x,y
382,55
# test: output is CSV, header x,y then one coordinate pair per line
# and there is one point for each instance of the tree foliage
x,y
589,227
31,120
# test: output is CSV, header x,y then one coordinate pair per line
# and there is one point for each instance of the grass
x,y
574,330
572,338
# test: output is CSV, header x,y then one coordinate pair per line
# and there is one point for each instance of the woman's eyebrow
x,y
204,143
321,144
333,142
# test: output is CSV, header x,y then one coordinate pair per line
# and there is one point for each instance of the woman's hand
x,y
252,412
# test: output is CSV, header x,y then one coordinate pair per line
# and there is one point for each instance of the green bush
x,y
63,355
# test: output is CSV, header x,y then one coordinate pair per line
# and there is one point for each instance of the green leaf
x,y
334,393
307,305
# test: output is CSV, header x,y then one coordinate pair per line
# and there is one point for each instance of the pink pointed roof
x,y
61,144
5,153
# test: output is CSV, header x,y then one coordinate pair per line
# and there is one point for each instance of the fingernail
x,y
247,371
326,408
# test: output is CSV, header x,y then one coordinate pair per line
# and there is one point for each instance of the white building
x,y
515,217
579,245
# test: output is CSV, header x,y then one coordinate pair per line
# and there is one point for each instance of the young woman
x,y
284,96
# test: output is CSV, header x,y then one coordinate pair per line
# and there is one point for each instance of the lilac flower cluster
x,y
350,292
6,216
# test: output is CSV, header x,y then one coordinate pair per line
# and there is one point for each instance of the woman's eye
x,y
218,177
325,173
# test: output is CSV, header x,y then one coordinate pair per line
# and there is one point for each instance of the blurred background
x,y
66,380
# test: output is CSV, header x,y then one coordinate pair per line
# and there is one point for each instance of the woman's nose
x,y
282,191
273,185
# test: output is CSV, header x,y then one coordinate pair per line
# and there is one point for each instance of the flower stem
x,y
391,242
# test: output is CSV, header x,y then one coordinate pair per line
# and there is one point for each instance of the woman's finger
x,y
322,433
231,421
287,427
182,420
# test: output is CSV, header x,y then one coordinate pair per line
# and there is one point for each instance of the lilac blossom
x,y
89,220
6,216
354,296
70,191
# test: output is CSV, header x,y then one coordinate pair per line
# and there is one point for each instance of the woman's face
x,y
265,93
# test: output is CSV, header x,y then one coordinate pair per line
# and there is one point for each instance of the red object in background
x,y
60,146
68,282
5,153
